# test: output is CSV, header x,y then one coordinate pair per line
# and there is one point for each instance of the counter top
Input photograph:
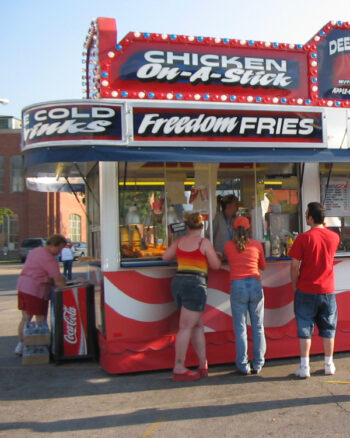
x,y
133,263
342,254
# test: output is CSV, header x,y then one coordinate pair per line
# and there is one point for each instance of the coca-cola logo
x,y
70,319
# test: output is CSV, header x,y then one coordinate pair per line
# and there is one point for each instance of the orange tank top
x,y
192,261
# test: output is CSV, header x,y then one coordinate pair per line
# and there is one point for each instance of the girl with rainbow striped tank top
x,y
189,287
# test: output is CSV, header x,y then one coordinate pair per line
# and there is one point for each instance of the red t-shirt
x,y
247,263
316,249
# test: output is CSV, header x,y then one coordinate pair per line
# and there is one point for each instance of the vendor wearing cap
x,y
246,259
223,222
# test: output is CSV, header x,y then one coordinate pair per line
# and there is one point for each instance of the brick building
x,y
34,214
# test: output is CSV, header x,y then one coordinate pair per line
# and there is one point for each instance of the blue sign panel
x,y
64,122
333,54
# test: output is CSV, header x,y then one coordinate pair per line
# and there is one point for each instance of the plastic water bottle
x,y
276,247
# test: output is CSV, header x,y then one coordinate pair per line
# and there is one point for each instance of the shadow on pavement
x,y
145,416
87,378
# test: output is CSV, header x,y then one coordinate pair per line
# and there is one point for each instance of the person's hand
x,y
220,255
76,281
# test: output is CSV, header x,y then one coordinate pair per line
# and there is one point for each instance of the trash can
x,y
73,331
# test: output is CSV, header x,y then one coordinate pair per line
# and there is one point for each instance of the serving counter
x,y
141,320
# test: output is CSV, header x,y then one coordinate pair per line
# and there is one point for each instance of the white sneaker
x,y
303,372
19,349
329,369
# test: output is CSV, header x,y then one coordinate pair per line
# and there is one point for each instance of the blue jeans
x,y
67,269
247,296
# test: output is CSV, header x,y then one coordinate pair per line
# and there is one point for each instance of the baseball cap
x,y
241,221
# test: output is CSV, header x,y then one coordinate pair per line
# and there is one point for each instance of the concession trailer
x,y
168,123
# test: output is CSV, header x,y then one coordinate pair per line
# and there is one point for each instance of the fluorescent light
x,y
150,183
273,183
155,183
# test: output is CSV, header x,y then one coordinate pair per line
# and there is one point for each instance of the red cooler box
x,y
73,330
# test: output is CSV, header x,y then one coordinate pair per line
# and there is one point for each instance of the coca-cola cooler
x,y
73,331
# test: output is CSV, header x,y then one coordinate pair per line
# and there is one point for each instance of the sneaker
x,y
329,369
245,372
19,349
255,371
303,372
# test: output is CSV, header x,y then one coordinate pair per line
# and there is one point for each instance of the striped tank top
x,y
192,261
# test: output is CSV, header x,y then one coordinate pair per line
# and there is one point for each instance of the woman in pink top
x,y
39,275
246,258
189,286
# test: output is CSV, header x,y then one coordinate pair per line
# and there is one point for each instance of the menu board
x,y
336,196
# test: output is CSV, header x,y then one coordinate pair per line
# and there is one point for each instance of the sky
x,y
42,41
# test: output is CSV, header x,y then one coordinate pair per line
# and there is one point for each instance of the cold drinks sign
x,y
75,121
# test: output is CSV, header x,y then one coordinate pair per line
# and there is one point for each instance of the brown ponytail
x,y
241,238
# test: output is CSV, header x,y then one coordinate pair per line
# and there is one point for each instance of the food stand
x,y
168,123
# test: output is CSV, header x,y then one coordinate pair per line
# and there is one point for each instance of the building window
x,y
2,174
4,123
17,173
9,232
75,228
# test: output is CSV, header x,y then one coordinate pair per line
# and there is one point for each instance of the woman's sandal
x,y
187,376
203,372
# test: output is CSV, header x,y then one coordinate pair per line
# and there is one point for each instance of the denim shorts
x,y
319,309
190,291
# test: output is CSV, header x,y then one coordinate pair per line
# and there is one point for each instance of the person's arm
x,y
59,281
262,260
294,272
52,269
170,253
209,251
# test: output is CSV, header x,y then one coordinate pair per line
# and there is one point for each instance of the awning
x,y
172,154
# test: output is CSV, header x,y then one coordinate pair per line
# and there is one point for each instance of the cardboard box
x,y
35,355
36,340
36,334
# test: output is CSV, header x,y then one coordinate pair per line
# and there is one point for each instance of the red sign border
x,y
102,39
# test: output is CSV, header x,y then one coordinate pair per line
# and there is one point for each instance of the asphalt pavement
x,y
79,399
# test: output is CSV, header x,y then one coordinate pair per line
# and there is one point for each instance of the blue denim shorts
x,y
319,309
190,291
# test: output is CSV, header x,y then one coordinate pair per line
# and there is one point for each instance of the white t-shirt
x,y
67,254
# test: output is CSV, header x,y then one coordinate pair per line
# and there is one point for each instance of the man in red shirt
x,y
312,275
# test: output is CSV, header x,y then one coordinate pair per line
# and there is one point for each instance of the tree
x,y
3,213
